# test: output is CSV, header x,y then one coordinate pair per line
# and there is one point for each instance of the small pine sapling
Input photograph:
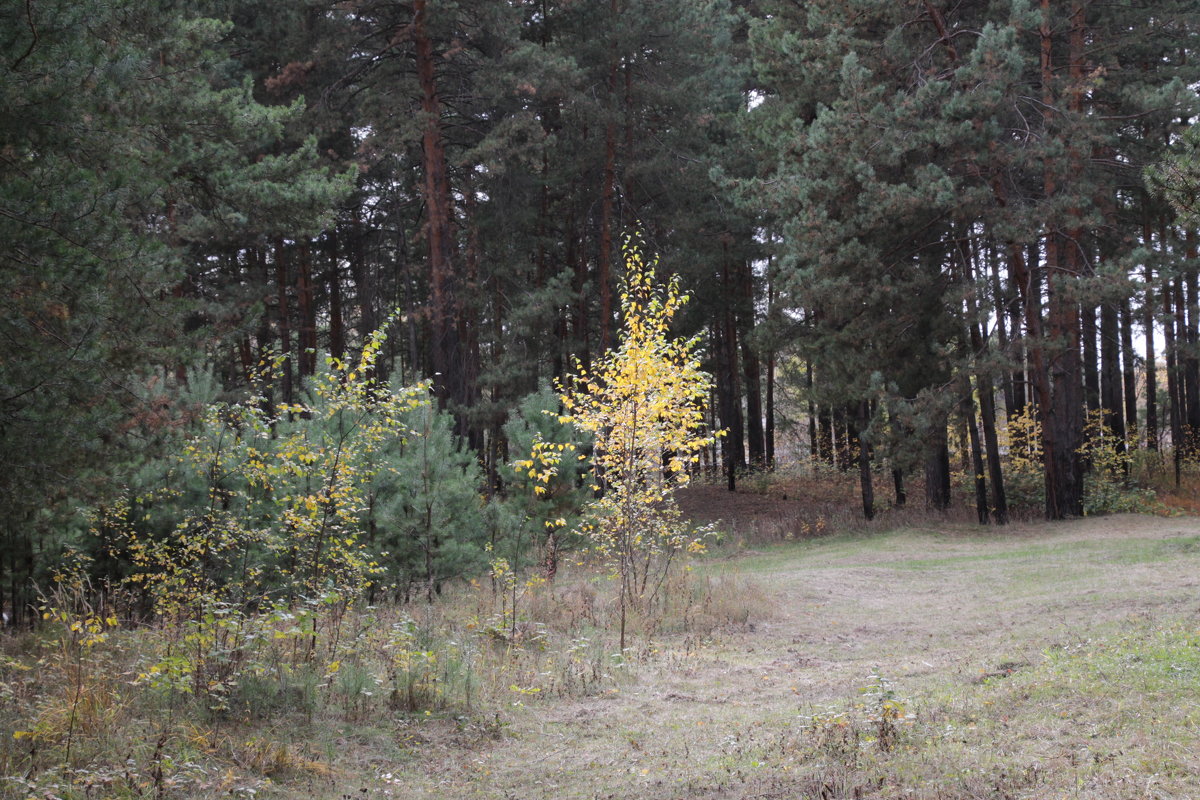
x,y
548,480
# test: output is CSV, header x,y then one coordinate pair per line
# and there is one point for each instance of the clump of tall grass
x,y
229,699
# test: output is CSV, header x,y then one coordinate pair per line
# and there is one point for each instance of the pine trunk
x,y
987,402
1128,372
1191,361
1111,387
901,497
283,321
863,418
1173,388
842,446
729,342
1062,427
1151,358
1181,370
449,381
337,331
1092,393
608,198
307,310
937,471
825,434
978,478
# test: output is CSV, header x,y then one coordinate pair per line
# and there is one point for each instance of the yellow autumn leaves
x,y
644,405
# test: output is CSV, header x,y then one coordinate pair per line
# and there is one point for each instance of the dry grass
x,y
933,662
291,706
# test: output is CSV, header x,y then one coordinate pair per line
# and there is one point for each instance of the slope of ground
x,y
1037,661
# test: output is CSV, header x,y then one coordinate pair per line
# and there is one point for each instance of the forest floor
x,y
932,661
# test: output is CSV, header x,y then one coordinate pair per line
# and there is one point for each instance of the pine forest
x,y
371,357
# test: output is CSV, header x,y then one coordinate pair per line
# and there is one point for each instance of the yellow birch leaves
x,y
644,405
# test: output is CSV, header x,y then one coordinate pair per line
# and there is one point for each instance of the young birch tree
x,y
644,405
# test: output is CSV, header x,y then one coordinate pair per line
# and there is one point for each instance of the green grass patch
x,y
1103,716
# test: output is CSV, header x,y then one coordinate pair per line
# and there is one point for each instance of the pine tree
x,y
909,132
125,144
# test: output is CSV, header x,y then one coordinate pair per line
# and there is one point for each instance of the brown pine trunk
x,y
769,428
729,341
728,407
1111,387
979,479
337,329
1128,372
1026,277
368,321
1191,362
991,444
1181,362
733,402
1065,423
843,446
307,361
1000,312
1062,430
283,320
1022,390
818,442
751,372
937,470
825,435
863,418
608,199
1092,394
580,312
769,432
468,328
604,267
449,360
1151,356
246,358
755,434
264,337
1173,388
987,405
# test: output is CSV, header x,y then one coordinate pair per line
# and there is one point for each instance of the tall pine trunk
x,y
751,371
1173,389
307,309
979,479
1111,385
1129,372
937,469
1191,360
987,399
283,320
448,358
608,194
1151,356
862,419
1062,425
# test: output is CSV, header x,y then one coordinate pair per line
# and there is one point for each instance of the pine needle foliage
x,y
548,487
267,502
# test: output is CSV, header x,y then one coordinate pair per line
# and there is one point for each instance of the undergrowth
x,y
242,704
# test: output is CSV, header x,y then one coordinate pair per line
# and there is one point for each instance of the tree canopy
x,y
902,225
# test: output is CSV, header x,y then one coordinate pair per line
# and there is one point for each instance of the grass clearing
x,y
1043,661
915,664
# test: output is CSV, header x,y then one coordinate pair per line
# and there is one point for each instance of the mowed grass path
x,y
1037,661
